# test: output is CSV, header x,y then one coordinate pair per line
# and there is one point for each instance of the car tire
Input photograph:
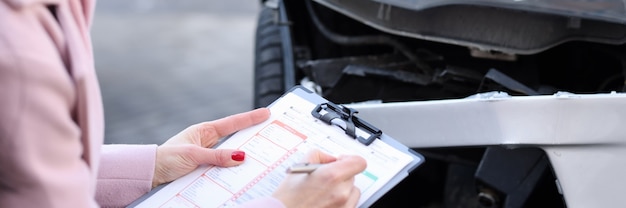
x,y
268,64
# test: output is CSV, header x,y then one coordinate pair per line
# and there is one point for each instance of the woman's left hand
x,y
190,148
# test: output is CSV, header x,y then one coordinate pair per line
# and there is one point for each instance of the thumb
x,y
218,157
317,156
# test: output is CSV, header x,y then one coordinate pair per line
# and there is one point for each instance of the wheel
x,y
268,64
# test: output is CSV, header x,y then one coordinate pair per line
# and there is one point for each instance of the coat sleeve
x,y
42,161
125,173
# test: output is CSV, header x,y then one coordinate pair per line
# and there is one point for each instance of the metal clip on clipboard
x,y
334,111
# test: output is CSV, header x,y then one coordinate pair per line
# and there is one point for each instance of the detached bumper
x,y
584,136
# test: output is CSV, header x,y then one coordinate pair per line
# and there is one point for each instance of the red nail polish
x,y
238,155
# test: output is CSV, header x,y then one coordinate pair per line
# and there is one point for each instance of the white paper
x,y
271,147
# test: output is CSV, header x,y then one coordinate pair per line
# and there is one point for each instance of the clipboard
x,y
309,121
335,111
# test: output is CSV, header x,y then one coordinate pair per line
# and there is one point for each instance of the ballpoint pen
x,y
303,168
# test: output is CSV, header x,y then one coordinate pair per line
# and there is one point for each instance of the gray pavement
x,y
164,65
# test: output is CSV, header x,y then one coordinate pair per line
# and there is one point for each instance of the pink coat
x,y
51,117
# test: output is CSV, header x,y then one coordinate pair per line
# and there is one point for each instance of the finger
x,y
354,197
218,157
317,156
231,124
349,166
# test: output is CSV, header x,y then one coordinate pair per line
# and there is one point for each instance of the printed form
x,y
271,147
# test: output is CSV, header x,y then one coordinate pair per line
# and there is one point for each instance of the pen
x,y
303,168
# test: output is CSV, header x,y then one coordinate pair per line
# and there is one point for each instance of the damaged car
x,y
513,103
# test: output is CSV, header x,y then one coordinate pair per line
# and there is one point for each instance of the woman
x,y
51,126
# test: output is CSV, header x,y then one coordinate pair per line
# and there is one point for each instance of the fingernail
x,y
238,155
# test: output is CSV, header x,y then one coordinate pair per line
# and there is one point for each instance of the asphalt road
x,y
165,65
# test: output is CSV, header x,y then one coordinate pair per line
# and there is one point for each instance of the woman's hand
x,y
190,148
331,185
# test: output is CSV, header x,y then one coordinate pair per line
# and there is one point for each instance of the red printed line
x,y
187,186
168,201
269,140
288,128
182,198
262,175
248,140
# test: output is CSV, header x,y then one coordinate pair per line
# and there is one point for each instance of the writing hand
x,y
330,185
190,148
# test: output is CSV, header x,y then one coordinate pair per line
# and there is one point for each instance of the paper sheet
x,y
271,147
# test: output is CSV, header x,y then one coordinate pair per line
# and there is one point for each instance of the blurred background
x,y
164,65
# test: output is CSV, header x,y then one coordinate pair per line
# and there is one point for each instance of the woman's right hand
x,y
330,185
